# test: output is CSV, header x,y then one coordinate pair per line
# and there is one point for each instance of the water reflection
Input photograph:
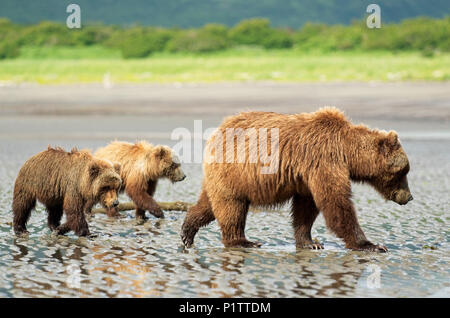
x,y
133,259
22,251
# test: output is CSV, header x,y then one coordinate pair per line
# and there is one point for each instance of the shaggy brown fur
x,y
320,153
142,165
64,181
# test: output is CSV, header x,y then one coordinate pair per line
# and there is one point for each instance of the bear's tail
x,y
23,203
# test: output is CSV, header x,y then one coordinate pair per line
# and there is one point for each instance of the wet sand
x,y
368,100
421,110
147,260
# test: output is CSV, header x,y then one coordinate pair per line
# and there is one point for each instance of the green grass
x,y
87,65
69,53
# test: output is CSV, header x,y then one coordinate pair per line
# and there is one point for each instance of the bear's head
x,y
105,181
168,164
393,166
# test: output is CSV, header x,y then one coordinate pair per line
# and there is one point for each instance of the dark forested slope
x,y
194,13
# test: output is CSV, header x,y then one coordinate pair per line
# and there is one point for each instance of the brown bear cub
x,y
72,182
319,154
142,164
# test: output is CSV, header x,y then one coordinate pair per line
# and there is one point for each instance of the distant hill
x,y
195,13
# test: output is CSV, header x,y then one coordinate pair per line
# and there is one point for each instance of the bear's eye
x,y
104,189
174,165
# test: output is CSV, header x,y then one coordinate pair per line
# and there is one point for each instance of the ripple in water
x,y
128,259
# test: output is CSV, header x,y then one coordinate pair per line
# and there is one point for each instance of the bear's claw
x,y
187,242
187,237
157,213
22,233
242,243
313,246
379,248
371,248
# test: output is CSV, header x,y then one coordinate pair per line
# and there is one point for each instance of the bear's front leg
x,y
368,246
151,206
74,224
75,218
304,213
87,208
332,195
144,202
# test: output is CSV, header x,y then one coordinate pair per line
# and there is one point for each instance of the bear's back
x,y
300,140
52,171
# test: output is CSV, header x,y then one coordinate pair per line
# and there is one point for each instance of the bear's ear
x,y
117,167
94,170
160,152
392,138
400,163
388,141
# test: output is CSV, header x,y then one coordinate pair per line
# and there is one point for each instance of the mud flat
x,y
375,100
147,260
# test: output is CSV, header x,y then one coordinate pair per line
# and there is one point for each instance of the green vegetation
x,y
231,65
421,34
415,49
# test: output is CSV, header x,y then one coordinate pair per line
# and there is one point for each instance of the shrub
x,y
92,34
329,38
47,34
141,42
211,37
424,34
278,39
9,45
251,32
9,49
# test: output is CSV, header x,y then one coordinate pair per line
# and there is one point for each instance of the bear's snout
x,y
177,175
179,178
110,199
403,197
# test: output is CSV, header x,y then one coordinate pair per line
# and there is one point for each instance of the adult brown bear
x,y
317,156
64,181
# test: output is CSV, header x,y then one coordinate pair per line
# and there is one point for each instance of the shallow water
x,y
129,259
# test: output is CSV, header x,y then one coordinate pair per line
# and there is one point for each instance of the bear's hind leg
x,y
54,216
75,222
201,214
23,203
304,213
231,215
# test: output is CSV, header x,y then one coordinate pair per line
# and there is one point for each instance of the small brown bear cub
x,y
72,182
320,154
142,164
